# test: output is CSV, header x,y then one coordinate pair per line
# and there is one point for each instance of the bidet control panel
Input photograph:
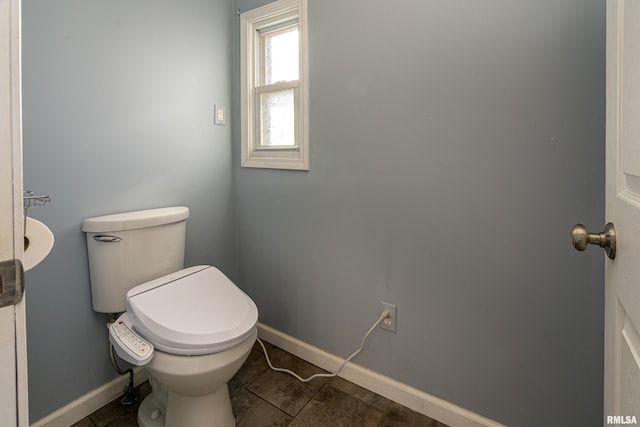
x,y
130,346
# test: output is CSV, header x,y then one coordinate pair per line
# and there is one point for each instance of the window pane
x,y
281,56
277,118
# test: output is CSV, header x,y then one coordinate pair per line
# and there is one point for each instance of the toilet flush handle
x,y
106,238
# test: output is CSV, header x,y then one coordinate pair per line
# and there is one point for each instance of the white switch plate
x,y
219,115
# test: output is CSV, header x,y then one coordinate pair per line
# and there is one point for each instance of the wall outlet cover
x,y
219,115
390,324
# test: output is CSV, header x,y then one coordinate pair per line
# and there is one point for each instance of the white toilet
x,y
191,328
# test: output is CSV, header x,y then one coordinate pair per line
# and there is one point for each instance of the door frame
x,y
13,342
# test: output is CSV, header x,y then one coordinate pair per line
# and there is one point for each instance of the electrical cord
x,y
130,394
385,315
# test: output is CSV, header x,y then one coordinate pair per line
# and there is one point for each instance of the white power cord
x,y
385,315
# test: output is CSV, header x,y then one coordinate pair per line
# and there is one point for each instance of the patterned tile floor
x,y
261,397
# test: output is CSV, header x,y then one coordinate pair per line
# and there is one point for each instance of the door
x,y
622,274
13,359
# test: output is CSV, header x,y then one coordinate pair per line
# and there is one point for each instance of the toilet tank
x,y
131,248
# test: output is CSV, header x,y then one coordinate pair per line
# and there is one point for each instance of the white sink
x,y
38,241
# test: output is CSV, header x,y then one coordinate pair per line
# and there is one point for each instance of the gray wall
x,y
118,115
453,146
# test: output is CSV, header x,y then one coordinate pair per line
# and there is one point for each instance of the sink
x,y
38,241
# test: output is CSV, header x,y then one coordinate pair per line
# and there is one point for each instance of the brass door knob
x,y
607,239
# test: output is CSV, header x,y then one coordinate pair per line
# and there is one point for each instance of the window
x,y
274,91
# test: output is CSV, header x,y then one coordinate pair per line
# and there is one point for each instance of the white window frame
x,y
251,22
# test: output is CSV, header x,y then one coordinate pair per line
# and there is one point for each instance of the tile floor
x,y
261,397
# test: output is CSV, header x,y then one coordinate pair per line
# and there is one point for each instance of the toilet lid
x,y
194,311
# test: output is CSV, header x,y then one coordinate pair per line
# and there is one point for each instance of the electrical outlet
x,y
390,323
219,117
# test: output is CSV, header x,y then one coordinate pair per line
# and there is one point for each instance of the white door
x,y
622,287
13,359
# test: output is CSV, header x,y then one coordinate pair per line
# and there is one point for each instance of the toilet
x,y
192,328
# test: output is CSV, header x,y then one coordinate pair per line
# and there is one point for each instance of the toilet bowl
x,y
202,328
192,328
192,390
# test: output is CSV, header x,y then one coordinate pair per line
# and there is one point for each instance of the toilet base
x,y
209,410
150,414
191,391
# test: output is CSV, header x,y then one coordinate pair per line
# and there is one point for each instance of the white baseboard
x,y
401,393
90,402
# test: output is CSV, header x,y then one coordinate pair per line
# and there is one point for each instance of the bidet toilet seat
x,y
194,311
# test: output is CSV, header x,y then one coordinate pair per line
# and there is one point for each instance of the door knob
x,y
607,239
